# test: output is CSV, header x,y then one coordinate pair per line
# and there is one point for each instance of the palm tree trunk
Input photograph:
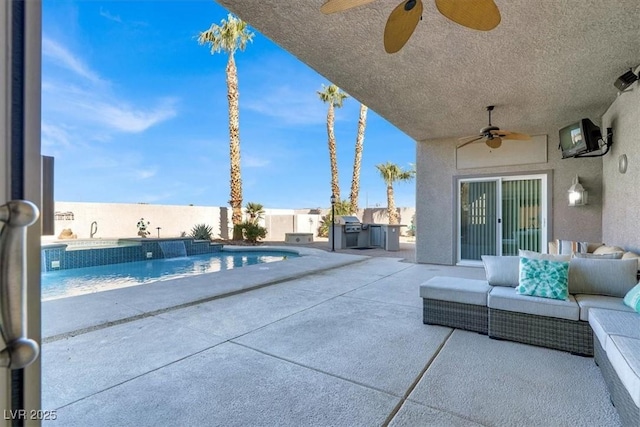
x,y
357,161
391,205
234,147
335,187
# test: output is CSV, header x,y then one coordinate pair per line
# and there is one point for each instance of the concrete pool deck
x,y
325,339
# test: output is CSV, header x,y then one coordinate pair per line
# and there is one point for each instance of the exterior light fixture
x,y
333,222
577,194
626,80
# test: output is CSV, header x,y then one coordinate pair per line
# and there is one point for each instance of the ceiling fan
x,y
492,135
476,14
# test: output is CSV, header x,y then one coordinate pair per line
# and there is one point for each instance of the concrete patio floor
x,y
325,339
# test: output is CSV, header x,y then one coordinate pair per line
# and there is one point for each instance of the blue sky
x,y
134,110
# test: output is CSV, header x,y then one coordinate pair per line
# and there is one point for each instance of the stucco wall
x,y
380,216
120,219
435,217
621,199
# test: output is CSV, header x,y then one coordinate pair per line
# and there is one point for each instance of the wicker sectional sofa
x,y
617,353
494,308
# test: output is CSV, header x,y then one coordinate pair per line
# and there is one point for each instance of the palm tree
x,y
334,97
357,161
391,173
255,212
232,34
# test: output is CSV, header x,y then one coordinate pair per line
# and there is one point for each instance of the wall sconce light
x,y
577,194
622,163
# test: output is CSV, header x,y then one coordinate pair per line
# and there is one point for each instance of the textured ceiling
x,y
548,62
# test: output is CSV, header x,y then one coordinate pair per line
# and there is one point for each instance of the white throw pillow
x,y
607,249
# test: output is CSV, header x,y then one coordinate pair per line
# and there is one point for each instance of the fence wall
x,y
118,220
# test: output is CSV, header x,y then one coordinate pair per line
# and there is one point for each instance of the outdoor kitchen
x,y
349,233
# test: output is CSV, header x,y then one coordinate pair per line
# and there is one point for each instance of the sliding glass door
x,y
478,219
500,215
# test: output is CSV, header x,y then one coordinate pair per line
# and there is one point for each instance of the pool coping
x,y
107,308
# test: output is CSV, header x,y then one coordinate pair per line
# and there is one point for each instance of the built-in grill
x,y
348,232
351,224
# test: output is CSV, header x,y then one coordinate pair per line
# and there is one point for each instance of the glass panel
x,y
478,218
522,216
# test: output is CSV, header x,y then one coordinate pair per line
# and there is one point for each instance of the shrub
x,y
202,232
255,212
253,232
142,228
237,232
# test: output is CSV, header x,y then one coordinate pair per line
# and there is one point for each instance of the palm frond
x,y
332,94
228,36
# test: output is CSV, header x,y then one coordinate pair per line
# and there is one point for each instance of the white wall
x,y
120,219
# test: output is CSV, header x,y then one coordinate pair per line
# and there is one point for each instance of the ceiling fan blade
x,y
469,141
333,6
401,24
480,15
494,142
516,135
469,138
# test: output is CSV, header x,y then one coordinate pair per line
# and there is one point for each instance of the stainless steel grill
x,y
351,223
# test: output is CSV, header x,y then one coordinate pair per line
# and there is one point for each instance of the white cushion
x,y
587,302
501,298
455,289
606,323
501,270
624,355
610,277
604,249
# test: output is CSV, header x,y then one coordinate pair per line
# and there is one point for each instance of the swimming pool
x,y
77,281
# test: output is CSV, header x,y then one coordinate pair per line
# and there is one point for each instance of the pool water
x,y
77,281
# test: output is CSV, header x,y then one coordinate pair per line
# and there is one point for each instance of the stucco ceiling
x,y
548,63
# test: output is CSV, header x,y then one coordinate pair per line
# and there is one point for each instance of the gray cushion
x,y
501,270
612,255
507,299
587,302
624,355
455,289
606,323
611,277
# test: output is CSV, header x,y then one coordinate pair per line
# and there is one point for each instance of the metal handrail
x,y
18,351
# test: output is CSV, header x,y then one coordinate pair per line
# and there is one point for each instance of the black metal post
x,y
333,223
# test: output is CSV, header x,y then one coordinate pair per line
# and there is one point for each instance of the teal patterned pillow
x,y
632,298
544,278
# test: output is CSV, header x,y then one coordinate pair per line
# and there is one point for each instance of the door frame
x,y
547,198
20,169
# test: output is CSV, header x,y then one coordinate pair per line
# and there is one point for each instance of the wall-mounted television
x,y
579,138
